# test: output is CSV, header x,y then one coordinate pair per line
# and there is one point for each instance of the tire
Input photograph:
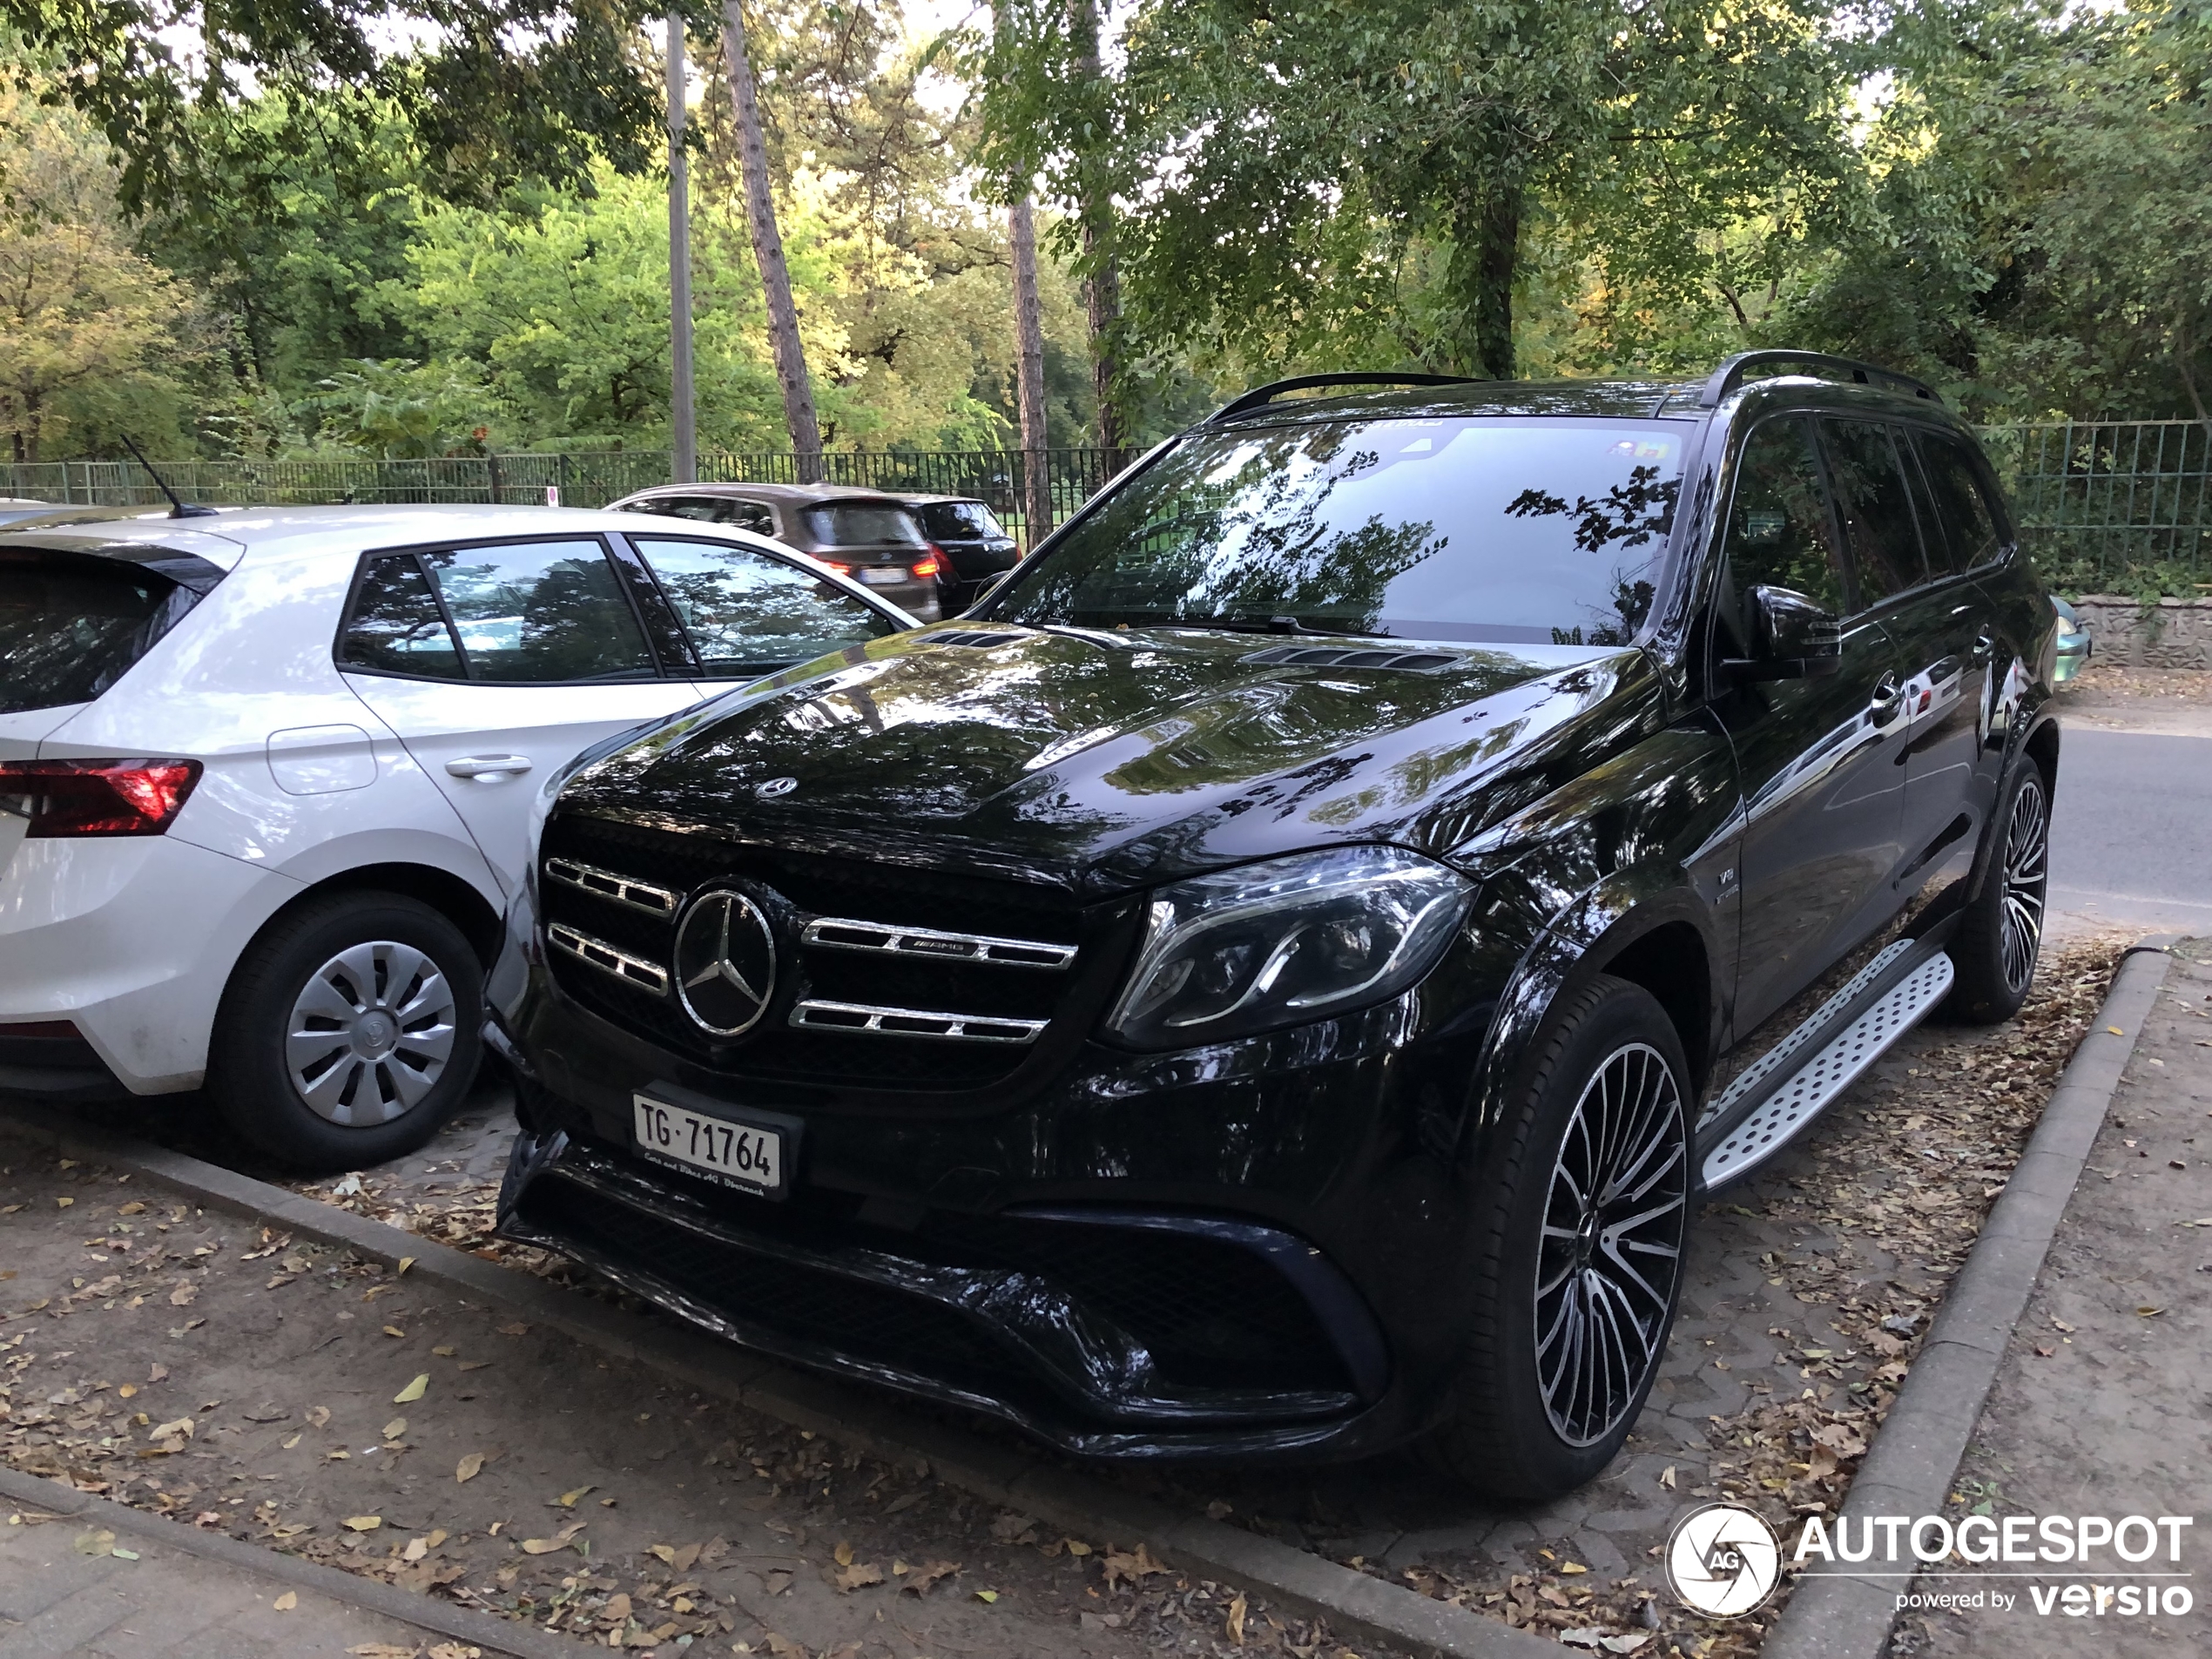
x,y
1533,1414
349,1032
2000,931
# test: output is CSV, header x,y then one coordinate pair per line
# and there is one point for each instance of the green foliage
x,y
2042,235
400,410
1358,182
498,91
95,340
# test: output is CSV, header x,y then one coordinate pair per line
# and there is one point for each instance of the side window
x,y
1962,509
751,515
1779,531
396,627
540,611
705,508
1877,509
749,614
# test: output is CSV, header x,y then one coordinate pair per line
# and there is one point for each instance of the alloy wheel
x,y
371,1033
1611,1249
2027,838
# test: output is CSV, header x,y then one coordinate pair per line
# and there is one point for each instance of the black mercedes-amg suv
x,y
1276,976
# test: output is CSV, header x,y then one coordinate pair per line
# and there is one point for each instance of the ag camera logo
x,y
1723,1561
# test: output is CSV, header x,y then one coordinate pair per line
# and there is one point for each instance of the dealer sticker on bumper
x,y
729,1151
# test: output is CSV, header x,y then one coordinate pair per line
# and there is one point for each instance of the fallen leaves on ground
x,y
919,1579
1133,1567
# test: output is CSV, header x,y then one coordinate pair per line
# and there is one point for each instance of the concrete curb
x,y
1840,1615
486,1631
1356,1605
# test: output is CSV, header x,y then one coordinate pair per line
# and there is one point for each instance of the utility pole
x,y
768,253
1028,340
683,466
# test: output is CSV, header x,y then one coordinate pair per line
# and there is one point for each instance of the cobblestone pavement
x,y
2104,1404
64,1591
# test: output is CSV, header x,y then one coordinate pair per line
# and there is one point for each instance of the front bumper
x,y
999,1315
1232,1252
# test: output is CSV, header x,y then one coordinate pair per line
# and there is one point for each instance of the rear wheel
x,y
2001,932
349,1032
1582,1218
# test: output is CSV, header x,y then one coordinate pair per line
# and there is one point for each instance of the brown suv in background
x,y
875,539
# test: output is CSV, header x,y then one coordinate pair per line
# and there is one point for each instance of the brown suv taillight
x,y
87,798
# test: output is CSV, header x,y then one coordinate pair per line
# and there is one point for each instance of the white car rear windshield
x,y
71,624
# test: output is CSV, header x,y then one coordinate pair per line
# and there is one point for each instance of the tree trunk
x,y
1496,261
1102,292
768,254
1028,337
684,460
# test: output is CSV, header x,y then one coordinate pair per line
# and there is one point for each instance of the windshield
x,y
71,624
1495,529
864,525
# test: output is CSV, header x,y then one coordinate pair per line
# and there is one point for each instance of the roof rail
x,y
1731,372
1260,396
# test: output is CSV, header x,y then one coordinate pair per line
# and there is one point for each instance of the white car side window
x,y
525,612
396,627
748,613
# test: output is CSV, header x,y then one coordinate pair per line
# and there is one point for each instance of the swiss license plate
x,y
728,1151
883,575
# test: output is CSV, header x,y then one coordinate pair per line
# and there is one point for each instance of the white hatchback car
x,y
265,778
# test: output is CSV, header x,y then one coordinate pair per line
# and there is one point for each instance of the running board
x,y
1806,1093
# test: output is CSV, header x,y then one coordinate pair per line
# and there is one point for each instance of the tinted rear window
x,y
955,519
863,525
71,624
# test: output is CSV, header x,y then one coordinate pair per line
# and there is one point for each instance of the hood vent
x,y
1405,662
976,638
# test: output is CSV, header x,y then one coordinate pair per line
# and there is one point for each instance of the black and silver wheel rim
x,y
1611,1253
371,1033
2027,868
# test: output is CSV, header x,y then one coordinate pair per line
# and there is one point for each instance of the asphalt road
x,y
2131,835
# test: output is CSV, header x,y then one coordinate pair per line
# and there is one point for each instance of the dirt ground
x,y
296,1397
1809,1291
2176,700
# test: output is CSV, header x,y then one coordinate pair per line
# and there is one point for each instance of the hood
x,y
1106,761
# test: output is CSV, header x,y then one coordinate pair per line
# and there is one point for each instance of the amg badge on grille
x,y
725,962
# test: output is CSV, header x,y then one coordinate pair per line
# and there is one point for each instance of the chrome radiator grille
x,y
888,978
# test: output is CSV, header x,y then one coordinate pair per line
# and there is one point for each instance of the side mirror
x,y
1793,638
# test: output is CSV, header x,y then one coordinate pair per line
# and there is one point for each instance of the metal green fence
x,y
590,480
2106,505
2102,504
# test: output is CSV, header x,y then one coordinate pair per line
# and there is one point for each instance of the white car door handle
x,y
488,765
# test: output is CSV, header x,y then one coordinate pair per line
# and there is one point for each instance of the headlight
x,y
1286,941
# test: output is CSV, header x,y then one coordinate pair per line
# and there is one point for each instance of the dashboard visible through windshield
x,y
1499,531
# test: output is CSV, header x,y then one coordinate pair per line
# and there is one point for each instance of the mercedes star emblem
x,y
725,962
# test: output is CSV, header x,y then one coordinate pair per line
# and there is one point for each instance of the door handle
x,y
488,765
1882,707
